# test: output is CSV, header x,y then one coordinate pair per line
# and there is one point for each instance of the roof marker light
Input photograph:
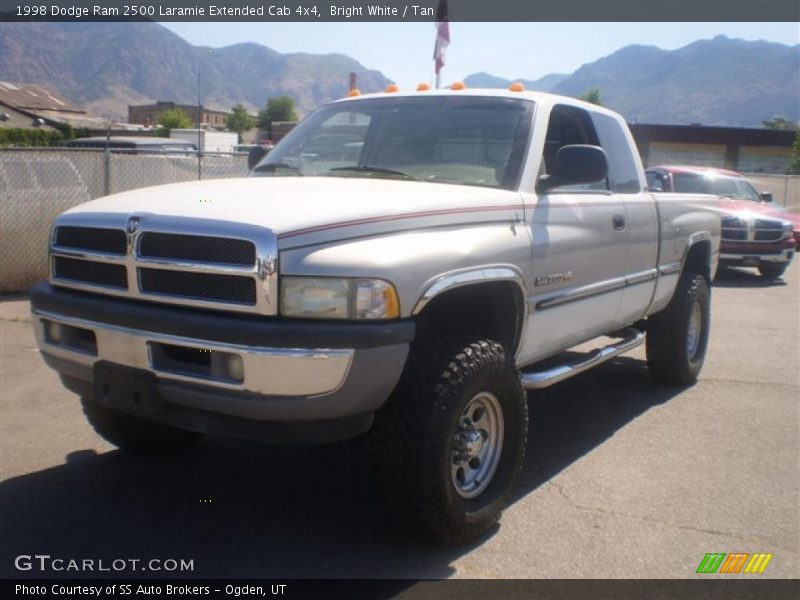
x,y
458,85
391,88
353,93
517,86
423,87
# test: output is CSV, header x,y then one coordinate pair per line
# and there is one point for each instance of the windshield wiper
x,y
366,169
275,166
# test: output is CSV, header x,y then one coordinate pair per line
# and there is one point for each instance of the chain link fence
x,y
785,188
38,184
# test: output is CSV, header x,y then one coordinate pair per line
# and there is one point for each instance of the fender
x,y
469,276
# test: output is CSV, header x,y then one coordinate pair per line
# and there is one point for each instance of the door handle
x,y
619,222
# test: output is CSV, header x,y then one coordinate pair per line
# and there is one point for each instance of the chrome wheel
x,y
694,330
477,445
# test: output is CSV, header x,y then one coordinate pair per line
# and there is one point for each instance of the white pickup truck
x,y
404,266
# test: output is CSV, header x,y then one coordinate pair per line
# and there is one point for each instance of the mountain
x,y
106,66
543,84
722,81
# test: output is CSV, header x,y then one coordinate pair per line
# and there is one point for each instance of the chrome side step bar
x,y
537,380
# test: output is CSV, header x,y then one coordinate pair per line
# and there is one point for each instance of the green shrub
x,y
29,137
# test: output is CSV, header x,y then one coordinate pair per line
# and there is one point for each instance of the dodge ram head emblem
x,y
133,225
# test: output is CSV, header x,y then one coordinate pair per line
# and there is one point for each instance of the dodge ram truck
x,y
401,268
755,232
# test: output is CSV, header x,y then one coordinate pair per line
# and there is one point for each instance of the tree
x,y
280,108
239,120
780,122
592,95
174,118
794,166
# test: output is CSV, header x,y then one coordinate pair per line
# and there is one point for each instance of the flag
x,y
442,35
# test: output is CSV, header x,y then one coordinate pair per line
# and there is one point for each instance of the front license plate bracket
x,y
126,388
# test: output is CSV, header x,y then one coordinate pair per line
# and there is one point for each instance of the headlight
x,y
334,298
788,229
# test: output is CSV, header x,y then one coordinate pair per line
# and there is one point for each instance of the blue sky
x,y
402,51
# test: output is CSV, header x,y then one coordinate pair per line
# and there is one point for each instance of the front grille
x,y
733,222
734,235
170,261
111,241
734,229
768,235
200,286
768,230
93,273
197,248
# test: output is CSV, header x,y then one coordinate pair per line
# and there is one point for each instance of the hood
x,y
758,209
295,207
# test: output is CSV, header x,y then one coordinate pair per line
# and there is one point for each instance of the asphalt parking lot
x,y
623,479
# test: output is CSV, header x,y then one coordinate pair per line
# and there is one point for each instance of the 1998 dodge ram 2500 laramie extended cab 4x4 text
x,y
399,266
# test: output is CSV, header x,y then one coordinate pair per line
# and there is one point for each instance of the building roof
x,y
12,119
34,101
34,97
741,136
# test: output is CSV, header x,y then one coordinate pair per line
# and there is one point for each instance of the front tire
x,y
772,271
677,337
134,435
448,446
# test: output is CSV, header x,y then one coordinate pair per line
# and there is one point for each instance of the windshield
x,y
730,187
465,140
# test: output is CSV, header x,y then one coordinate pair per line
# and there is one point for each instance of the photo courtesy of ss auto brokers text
x,y
138,589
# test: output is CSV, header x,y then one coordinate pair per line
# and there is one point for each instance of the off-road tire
x,y
671,357
413,439
134,435
772,270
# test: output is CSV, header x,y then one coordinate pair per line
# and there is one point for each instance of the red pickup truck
x,y
755,231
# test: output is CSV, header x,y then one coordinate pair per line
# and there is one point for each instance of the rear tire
x,y
448,446
677,337
772,270
135,435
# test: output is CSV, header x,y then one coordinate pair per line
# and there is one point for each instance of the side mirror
x,y
255,155
575,164
765,196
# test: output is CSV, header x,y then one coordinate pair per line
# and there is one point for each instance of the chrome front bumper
x,y
260,370
211,367
784,256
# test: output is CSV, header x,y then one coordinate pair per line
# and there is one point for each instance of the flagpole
x,y
442,39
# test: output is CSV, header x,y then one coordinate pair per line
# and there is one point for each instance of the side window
x,y
657,181
623,172
746,191
724,186
569,125
690,183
